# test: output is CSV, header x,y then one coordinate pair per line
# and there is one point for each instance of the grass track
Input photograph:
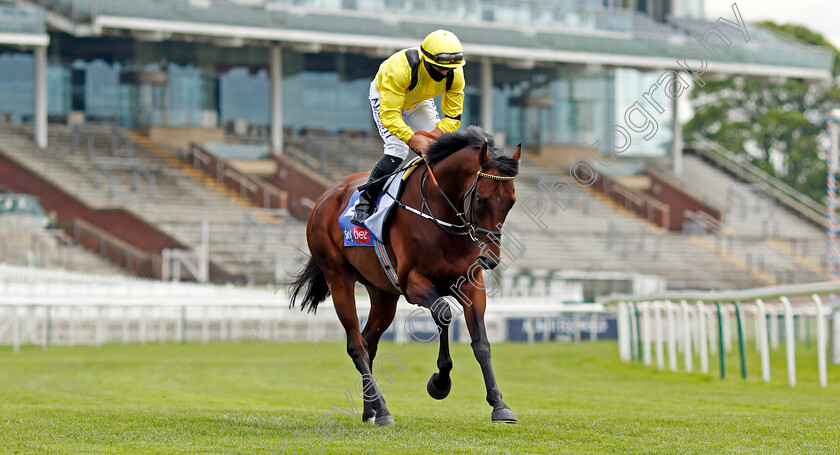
x,y
251,397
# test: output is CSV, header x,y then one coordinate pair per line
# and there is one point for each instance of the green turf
x,y
251,397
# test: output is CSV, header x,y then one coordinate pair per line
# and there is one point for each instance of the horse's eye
x,y
479,201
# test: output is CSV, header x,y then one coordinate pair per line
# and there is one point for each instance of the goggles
x,y
445,58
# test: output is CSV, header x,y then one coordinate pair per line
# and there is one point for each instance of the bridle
x,y
472,197
467,216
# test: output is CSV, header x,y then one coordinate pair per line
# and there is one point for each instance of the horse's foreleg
x,y
345,307
421,292
474,318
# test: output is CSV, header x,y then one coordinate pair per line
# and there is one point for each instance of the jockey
x,y
401,99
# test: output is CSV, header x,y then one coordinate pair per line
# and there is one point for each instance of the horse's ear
x,y
482,155
517,152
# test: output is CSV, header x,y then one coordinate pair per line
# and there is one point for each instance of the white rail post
x,y
181,327
702,346
205,329
204,253
593,327
672,335
633,332
821,342
623,334
761,336
162,324
790,341
142,329
657,317
125,326
760,323
47,323
646,357
15,330
689,357
223,328
73,325
99,325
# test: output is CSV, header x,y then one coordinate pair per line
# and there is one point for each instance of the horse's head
x,y
484,180
488,202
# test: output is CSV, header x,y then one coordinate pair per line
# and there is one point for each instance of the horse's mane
x,y
472,136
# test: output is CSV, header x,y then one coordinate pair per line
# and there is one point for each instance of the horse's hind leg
x,y
341,285
383,306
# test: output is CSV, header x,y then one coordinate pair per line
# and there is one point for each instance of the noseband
x,y
470,200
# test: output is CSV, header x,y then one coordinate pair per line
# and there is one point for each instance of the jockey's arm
x,y
392,87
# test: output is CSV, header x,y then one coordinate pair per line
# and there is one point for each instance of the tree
x,y
776,124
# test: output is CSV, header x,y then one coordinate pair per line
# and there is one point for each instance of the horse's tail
x,y
312,278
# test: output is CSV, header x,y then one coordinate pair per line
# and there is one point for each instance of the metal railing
x,y
117,251
196,263
701,222
105,166
249,187
643,205
54,237
641,325
47,307
616,236
255,218
784,193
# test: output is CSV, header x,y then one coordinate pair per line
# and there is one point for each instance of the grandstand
x,y
175,201
27,238
138,137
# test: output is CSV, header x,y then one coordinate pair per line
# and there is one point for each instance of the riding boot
x,y
364,207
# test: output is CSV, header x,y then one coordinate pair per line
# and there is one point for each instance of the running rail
x,y
703,319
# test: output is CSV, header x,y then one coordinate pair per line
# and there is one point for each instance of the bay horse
x,y
432,247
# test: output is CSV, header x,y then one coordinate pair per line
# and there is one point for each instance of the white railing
x,y
54,307
702,322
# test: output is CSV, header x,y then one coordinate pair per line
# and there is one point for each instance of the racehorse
x,y
450,218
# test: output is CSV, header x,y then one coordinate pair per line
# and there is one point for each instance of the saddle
x,y
376,224
374,231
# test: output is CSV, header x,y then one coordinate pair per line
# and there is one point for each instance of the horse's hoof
x,y
369,419
434,391
503,415
384,421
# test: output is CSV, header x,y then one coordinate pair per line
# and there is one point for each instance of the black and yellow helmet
x,y
442,48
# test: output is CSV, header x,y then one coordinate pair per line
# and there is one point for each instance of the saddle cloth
x,y
376,224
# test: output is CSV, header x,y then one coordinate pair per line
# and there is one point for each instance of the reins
x,y
469,223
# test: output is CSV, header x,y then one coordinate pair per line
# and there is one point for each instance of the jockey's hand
x,y
420,143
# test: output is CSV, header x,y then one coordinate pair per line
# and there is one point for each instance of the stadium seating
x,y
595,234
181,202
26,240
760,242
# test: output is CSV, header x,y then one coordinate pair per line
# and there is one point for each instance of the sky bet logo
x,y
358,234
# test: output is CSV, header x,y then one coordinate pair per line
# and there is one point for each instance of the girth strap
x,y
386,263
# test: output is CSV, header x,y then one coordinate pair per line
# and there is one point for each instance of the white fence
x,y
703,323
56,307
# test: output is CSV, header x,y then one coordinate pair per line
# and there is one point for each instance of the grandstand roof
x,y
22,26
614,37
